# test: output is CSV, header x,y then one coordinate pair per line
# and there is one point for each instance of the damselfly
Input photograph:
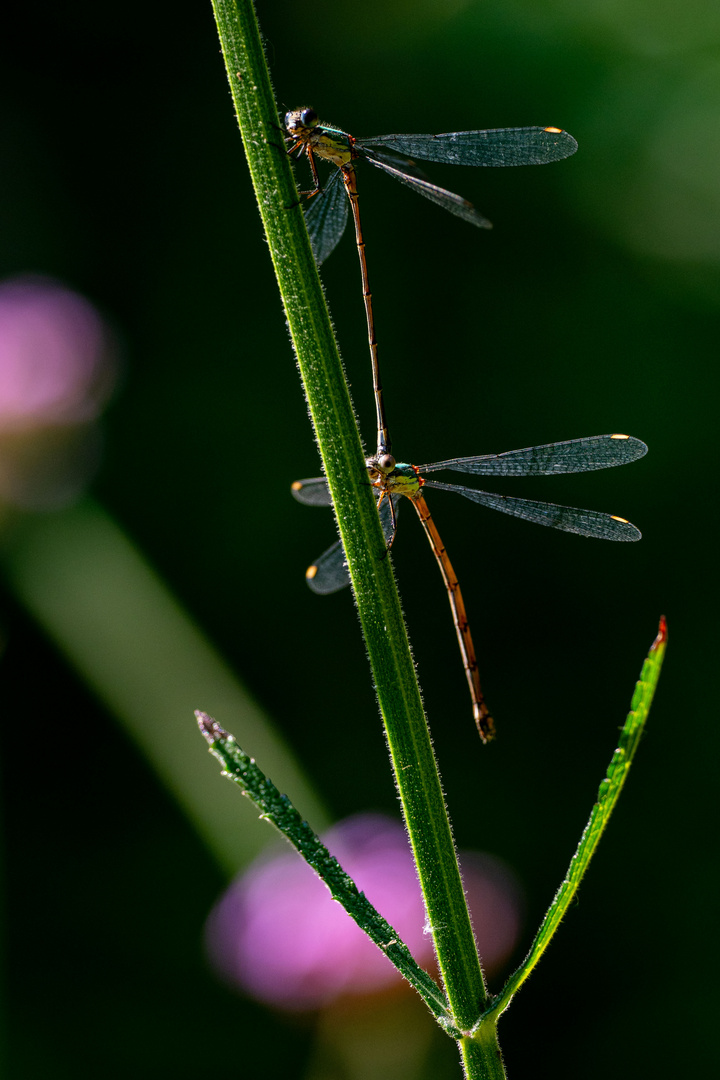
x,y
326,214
393,480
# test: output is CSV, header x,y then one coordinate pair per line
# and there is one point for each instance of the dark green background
x,y
593,306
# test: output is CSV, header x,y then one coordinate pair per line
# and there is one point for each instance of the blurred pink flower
x,y
57,367
277,933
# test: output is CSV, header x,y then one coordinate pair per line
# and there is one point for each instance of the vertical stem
x,y
374,587
481,1056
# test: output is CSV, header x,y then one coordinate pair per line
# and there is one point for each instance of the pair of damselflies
x,y
327,209
392,481
326,218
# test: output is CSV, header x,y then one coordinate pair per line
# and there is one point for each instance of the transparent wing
x,y
447,199
329,573
567,518
313,492
396,161
574,455
496,146
326,216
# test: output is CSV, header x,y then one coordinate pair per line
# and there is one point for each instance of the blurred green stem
x,y
338,439
94,594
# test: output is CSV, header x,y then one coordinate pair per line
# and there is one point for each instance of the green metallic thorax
x,y
329,143
332,145
403,480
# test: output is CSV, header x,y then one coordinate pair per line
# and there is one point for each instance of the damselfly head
x,y
300,119
381,466
373,469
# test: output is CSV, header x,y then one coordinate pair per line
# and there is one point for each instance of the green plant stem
x,y
481,1054
338,439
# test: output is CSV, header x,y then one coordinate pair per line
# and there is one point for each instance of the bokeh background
x,y
593,306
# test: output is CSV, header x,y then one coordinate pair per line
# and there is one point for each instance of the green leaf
x,y
608,795
278,809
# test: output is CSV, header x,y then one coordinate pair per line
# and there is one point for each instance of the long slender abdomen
x,y
483,719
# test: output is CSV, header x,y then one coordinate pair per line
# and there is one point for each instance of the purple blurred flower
x,y
56,372
277,934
